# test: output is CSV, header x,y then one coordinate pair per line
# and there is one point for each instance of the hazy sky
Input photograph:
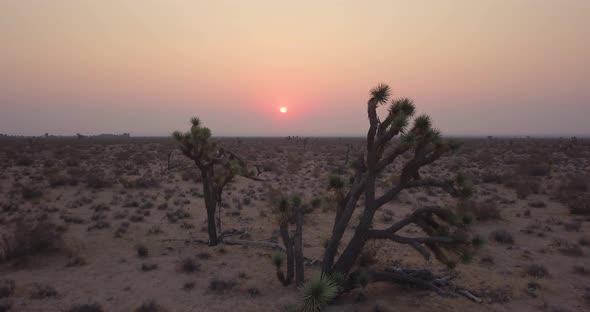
x,y
498,67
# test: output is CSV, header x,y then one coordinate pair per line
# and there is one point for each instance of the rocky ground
x,y
120,225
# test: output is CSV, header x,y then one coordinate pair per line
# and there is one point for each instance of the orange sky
x,y
478,67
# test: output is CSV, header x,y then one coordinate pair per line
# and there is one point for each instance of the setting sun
x,y
283,110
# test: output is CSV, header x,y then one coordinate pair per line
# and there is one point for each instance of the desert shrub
x,y
189,265
31,192
502,236
526,186
538,204
534,168
24,161
97,178
150,306
293,164
87,307
7,288
142,251
576,183
579,205
536,270
570,249
29,239
41,291
220,285
61,179
482,211
143,182
316,201
146,267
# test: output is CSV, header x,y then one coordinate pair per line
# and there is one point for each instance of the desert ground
x,y
119,225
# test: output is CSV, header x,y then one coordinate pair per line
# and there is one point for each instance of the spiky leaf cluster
x,y
318,292
278,258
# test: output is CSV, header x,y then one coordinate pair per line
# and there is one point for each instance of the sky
x,y
486,67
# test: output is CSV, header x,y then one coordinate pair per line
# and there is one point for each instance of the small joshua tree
x,y
218,167
389,140
289,209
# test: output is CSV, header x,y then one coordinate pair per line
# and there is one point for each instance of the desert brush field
x,y
119,224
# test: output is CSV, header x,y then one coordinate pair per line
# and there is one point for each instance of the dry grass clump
x,y
482,211
86,307
97,178
573,192
503,236
534,167
189,265
536,270
42,291
221,285
31,192
150,306
7,288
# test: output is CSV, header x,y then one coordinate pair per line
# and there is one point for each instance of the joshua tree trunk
x,y
298,246
210,206
284,231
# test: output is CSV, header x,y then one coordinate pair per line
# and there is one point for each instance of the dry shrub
x,y
221,284
97,178
534,167
482,211
30,239
503,236
7,288
192,174
24,161
523,185
62,179
271,166
143,182
536,270
573,192
31,192
293,164
150,306
87,307
579,205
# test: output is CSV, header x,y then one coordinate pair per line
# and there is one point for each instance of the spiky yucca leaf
x,y
404,106
278,258
296,200
317,293
380,94
408,139
339,278
400,122
195,121
422,122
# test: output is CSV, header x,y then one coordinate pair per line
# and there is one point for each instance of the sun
x,y
283,110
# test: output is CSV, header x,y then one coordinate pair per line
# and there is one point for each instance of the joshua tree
x,y
289,209
218,167
413,143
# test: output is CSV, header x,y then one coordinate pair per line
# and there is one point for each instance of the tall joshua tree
x,y
412,142
218,167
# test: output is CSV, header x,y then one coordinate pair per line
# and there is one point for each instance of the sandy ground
x,y
104,224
